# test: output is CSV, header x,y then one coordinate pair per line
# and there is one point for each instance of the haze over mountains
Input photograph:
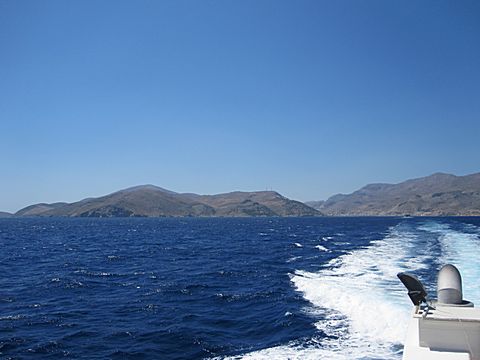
x,y
153,201
435,195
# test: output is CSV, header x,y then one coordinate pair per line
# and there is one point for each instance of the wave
x,y
363,308
461,248
322,248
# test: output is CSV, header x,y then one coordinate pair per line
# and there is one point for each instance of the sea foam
x,y
460,248
363,306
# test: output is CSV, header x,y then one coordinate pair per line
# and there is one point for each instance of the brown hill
x,y
435,195
38,209
153,201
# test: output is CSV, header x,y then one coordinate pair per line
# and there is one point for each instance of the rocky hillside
x,y
5,214
153,201
436,195
37,209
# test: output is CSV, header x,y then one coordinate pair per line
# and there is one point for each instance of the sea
x,y
221,288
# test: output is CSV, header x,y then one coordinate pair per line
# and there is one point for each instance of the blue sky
x,y
309,98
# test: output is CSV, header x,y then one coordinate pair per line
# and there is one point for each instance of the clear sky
x,y
309,98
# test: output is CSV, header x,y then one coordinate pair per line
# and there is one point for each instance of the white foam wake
x,y
364,303
461,249
364,308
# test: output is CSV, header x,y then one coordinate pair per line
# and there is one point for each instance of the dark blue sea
x,y
256,288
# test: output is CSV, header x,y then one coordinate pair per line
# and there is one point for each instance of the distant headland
x,y
154,201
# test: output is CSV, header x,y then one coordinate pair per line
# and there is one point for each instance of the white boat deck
x,y
445,333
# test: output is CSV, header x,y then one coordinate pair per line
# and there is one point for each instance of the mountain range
x,y
435,195
154,201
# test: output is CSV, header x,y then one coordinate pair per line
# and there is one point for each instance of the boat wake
x,y
362,308
460,247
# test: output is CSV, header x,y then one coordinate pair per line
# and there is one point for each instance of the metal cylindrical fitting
x,y
449,285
